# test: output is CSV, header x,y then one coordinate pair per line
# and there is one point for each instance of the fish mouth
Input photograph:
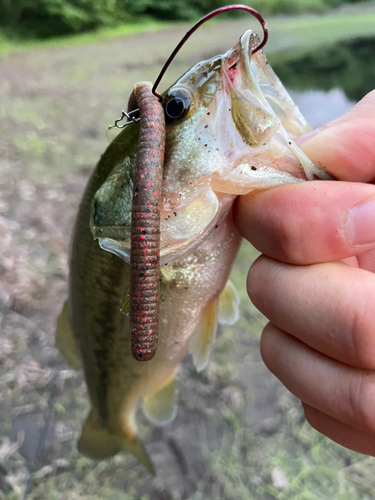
x,y
251,113
183,228
252,80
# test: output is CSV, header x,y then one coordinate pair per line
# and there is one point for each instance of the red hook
x,y
202,21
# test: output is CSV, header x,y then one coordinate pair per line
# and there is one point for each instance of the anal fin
x,y
204,337
160,407
65,341
98,443
229,302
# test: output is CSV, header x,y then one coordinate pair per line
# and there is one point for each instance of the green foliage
x,y
163,9
48,18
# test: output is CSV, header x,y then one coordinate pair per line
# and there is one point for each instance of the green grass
x,y
291,38
9,46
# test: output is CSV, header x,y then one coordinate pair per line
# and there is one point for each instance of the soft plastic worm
x,y
145,227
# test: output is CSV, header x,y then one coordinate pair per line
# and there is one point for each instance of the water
x,y
319,106
327,82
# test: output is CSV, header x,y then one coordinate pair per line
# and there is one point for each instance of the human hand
x,y
320,341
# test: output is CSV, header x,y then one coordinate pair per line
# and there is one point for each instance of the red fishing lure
x,y
145,227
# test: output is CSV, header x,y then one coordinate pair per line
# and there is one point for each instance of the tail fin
x,y
98,443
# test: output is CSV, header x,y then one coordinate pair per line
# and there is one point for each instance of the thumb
x,y
345,147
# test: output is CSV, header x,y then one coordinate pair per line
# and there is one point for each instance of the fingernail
x,y
305,137
360,228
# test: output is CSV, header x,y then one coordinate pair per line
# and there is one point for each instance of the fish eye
x,y
176,105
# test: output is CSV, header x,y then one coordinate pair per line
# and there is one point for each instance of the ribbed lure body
x,y
145,226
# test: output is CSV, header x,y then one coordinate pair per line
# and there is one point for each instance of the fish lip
x,y
247,42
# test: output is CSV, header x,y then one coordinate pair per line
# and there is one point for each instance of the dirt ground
x,y
238,434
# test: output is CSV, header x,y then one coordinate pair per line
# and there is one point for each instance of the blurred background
x,y
67,68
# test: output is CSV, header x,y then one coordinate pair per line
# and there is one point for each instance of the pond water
x,y
326,82
319,106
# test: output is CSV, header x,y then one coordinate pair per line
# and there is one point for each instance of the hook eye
x,y
176,105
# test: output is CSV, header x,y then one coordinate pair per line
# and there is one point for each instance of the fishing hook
x,y
133,116
207,17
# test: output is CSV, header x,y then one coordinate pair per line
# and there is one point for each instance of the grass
x,y
292,38
9,46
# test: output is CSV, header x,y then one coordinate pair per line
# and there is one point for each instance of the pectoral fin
x,y
161,406
204,336
98,443
65,341
229,305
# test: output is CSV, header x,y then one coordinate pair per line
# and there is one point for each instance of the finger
x,y
329,307
310,222
344,393
356,440
345,147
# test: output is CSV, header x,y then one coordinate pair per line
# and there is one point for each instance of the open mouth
x,y
251,113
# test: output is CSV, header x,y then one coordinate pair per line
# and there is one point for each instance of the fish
x,y
230,129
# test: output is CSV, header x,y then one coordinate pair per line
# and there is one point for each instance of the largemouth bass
x,y
230,126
